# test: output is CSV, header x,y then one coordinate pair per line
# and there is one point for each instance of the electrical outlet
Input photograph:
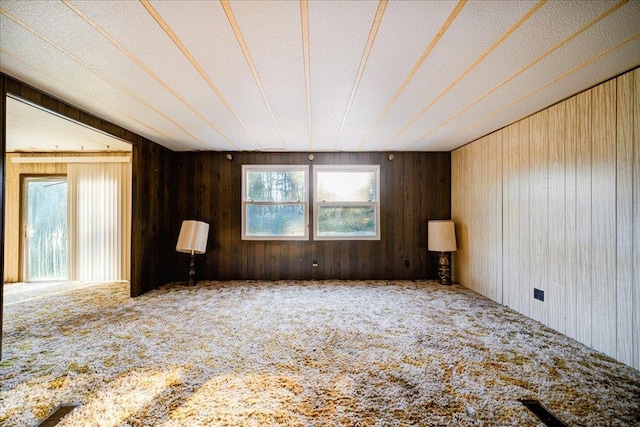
x,y
538,294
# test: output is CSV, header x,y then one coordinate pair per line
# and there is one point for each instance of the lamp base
x,y
192,270
444,272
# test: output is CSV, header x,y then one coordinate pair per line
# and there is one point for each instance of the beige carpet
x,y
297,354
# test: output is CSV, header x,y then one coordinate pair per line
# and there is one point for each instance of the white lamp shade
x,y
442,236
193,237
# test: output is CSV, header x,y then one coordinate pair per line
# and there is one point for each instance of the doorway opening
x,y
44,228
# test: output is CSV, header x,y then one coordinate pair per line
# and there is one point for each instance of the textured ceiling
x,y
316,75
36,130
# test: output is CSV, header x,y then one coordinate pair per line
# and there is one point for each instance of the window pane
x,y
275,220
350,221
275,186
351,186
47,223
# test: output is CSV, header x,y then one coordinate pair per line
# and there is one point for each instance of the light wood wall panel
x,y
583,218
571,272
624,215
556,223
570,210
539,218
603,217
635,221
510,224
523,287
477,177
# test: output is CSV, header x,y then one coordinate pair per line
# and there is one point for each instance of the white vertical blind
x,y
99,221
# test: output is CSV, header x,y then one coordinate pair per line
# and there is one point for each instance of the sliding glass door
x,y
44,228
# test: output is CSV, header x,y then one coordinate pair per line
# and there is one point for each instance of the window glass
x,y
275,186
275,202
346,202
275,220
336,186
346,221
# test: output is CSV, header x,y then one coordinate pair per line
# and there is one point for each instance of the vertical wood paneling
x,y
462,225
248,251
459,202
635,232
459,207
206,164
3,147
209,187
603,214
398,213
153,231
495,213
583,219
509,221
484,189
539,220
457,210
570,215
474,277
624,215
388,216
570,231
409,226
524,217
486,200
556,258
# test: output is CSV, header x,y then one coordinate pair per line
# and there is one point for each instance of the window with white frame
x,y
346,203
275,202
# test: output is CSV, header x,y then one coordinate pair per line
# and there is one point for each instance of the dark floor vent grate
x,y
543,413
58,414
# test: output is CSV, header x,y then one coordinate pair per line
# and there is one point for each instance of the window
x,y
275,202
347,202
45,228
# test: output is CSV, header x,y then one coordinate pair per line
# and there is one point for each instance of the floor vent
x,y
543,413
58,414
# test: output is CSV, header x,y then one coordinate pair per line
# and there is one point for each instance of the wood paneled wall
x,y
566,218
415,187
153,230
153,192
3,148
477,178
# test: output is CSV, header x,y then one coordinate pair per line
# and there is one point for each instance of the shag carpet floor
x,y
297,354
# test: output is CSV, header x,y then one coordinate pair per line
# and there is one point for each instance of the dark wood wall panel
x,y
415,187
153,228
3,148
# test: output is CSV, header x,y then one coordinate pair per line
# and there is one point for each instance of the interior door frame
x,y
14,87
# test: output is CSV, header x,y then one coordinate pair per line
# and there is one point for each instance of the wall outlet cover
x,y
538,294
